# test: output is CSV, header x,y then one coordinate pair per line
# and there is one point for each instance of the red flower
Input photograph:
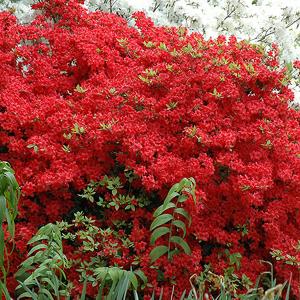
x,y
86,95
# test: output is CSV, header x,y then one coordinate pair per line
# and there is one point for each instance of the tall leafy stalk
x,y
9,198
172,215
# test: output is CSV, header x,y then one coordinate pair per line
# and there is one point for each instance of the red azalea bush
x,y
84,95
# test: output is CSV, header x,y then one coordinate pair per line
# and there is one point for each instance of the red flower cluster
x,y
82,93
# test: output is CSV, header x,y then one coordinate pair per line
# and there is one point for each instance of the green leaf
x,y
54,287
121,289
10,223
172,195
2,246
141,274
160,220
133,280
46,293
163,208
2,208
179,224
182,198
101,272
287,295
157,233
157,252
182,243
3,288
183,295
115,273
38,238
80,89
173,191
83,294
34,146
100,290
163,46
184,213
135,294
28,294
37,247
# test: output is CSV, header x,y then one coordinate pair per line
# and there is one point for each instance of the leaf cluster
x,y
9,198
41,275
168,217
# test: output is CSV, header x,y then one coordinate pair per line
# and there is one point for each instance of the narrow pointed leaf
x,y
142,275
133,280
157,252
171,195
37,247
160,220
2,207
46,293
3,288
163,208
179,224
184,213
182,243
157,233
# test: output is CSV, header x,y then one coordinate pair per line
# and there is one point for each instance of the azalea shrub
x,y
101,119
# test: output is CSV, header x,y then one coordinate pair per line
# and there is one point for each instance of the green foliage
x,y
119,281
9,198
170,218
113,282
77,129
287,258
227,285
80,89
34,147
118,199
42,275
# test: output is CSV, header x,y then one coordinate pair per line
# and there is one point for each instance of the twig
x,y
193,287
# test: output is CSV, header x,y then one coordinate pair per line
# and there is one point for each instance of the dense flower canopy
x,y
261,21
84,95
264,21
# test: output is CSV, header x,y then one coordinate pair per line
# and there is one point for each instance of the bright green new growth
x,y
9,198
165,222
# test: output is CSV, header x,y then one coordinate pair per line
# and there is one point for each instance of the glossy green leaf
x,y
173,193
160,220
37,247
163,208
2,246
46,293
182,243
179,224
157,233
184,213
182,198
83,292
2,208
141,275
4,289
133,280
157,252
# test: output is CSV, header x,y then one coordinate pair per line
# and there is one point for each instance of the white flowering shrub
x,y
20,8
